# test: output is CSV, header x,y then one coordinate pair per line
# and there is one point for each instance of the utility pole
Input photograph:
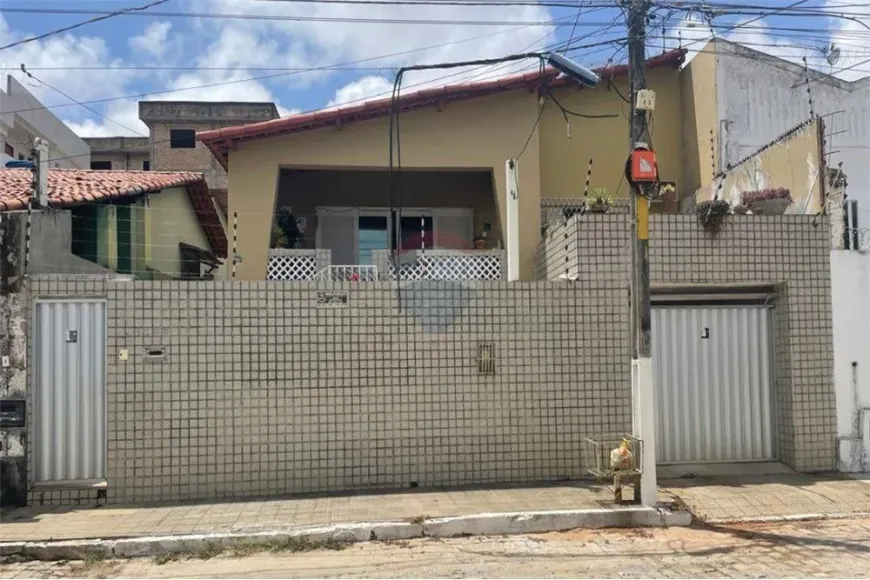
x,y
641,342
642,387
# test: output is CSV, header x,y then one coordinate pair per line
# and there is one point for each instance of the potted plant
x,y
599,200
770,201
712,214
285,230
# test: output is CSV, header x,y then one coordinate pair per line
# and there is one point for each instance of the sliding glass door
x,y
353,234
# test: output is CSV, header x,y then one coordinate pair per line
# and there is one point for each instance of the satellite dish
x,y
832,54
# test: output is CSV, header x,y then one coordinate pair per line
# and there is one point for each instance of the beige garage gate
x,y
714,383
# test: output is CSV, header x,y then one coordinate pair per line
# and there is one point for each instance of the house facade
x,y
150,225
132,153
330,170
171,144
23,118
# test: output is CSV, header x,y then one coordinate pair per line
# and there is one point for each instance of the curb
x,y
446,527
783,519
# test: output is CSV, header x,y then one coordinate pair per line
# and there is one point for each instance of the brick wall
x,y
791,253
131,161
265,392
165,158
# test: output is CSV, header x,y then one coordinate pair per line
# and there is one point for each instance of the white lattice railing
x,y
447,265
348,274
296,265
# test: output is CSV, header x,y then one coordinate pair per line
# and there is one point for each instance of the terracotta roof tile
x,y
220,141
69,187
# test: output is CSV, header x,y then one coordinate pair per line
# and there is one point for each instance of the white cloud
x,y
848,36
246,45
361,89
852,39
124,121
313,44
154,40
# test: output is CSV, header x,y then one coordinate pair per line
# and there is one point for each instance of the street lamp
x,y
570,68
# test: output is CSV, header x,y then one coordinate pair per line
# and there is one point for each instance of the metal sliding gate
x,y
69,390
714,383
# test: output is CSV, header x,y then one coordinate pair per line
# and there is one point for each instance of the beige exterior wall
x,y
793,163
480,134
172,220
199,158
565,159
700,149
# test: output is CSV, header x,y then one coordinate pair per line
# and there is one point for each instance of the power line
x,y
104,16
215,84
303,18
281,74
91,109
417,85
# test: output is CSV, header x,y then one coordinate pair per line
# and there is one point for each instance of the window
x,y
9,150
182,138
146,165
101,164
85,229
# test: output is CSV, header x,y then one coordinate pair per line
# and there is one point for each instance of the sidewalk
x,y
110,521
770,497
711,499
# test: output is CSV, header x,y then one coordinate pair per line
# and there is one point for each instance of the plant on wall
x,y
712,214
769,201
599,200
285,230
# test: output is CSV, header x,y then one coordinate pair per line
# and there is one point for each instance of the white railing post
x,y
512,215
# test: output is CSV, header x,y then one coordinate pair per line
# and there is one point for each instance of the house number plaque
x,y
335,299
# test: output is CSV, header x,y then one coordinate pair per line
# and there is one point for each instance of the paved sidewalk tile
x,y
766,496
112,521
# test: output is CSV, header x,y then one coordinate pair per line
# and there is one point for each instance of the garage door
x,y
713,381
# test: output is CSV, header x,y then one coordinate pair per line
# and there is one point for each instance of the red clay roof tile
x,y
220,141
69,187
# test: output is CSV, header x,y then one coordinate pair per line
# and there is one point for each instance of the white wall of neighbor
x,y
761,98
850,292
23,116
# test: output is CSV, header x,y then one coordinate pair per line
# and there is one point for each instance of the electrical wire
x,y
375,96
91,109
305,18
566,111
280,75
104,16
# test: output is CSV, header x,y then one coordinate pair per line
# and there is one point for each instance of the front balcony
x,y
295,265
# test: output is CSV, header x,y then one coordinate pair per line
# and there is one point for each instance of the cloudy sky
x,y
186,53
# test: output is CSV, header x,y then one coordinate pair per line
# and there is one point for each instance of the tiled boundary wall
x,y
264,391
790,253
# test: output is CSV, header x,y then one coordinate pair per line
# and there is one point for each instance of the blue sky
x,y
240,47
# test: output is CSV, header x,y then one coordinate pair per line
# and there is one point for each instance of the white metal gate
x,y
713,383
69,395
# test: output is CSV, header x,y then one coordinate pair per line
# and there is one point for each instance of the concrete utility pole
x,y
641,342
642,387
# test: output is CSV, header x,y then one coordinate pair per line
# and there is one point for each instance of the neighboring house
x,y
730,103
171,144
23,118
153,225
120,153
173,126
331,168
